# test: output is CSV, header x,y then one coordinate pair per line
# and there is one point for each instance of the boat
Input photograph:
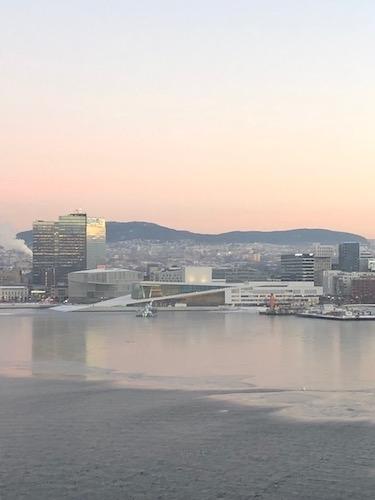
x,y
338,314
280,311
275,309
148,311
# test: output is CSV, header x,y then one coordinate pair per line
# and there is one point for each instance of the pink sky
x,y
209,120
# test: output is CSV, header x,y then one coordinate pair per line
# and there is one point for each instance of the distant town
x,y
70,261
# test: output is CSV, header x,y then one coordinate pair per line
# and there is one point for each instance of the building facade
x,y
72,246
72,243
94,285
237,273
355,287
297,267
285,293
365,256
216,294
96,242
321,264
13,293
320,250
349,257
363,290
45,250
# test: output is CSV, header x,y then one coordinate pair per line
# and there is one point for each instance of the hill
x,y
125,231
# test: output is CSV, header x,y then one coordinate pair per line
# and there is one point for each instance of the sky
x,y
206,115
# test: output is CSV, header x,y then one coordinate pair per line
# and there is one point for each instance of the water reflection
x,y
58,346
190,350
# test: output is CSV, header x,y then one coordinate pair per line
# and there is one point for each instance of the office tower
x,y
45,243
349,257
73,243
72,246
96,237
297,267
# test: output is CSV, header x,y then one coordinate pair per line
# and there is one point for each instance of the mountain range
x,y
125,231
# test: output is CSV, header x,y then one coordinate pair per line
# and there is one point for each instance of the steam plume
x,y
9,241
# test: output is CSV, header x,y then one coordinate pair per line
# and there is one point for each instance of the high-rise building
x,y
72,246
45,245
297,267
96,237
73,243
349,257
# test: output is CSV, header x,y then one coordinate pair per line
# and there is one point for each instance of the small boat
x,y
148,311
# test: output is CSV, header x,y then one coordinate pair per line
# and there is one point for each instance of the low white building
x,y
93,285
13,293
258,293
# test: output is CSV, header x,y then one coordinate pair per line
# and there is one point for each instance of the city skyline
x,y
210,117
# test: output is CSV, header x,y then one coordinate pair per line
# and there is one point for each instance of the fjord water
x,y
190,350
185,405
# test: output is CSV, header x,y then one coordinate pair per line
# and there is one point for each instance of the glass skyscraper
x,y
72,253
73,243
45,244
349,257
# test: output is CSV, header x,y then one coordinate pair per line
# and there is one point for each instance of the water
x,y
185,405
190,350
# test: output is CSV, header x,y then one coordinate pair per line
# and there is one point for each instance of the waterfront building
x,y
349,257
337,283
216,294
164,289
349,286
285,293
94,285
297,267
13,293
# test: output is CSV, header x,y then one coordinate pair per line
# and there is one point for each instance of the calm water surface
x,y
256,407
184,349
